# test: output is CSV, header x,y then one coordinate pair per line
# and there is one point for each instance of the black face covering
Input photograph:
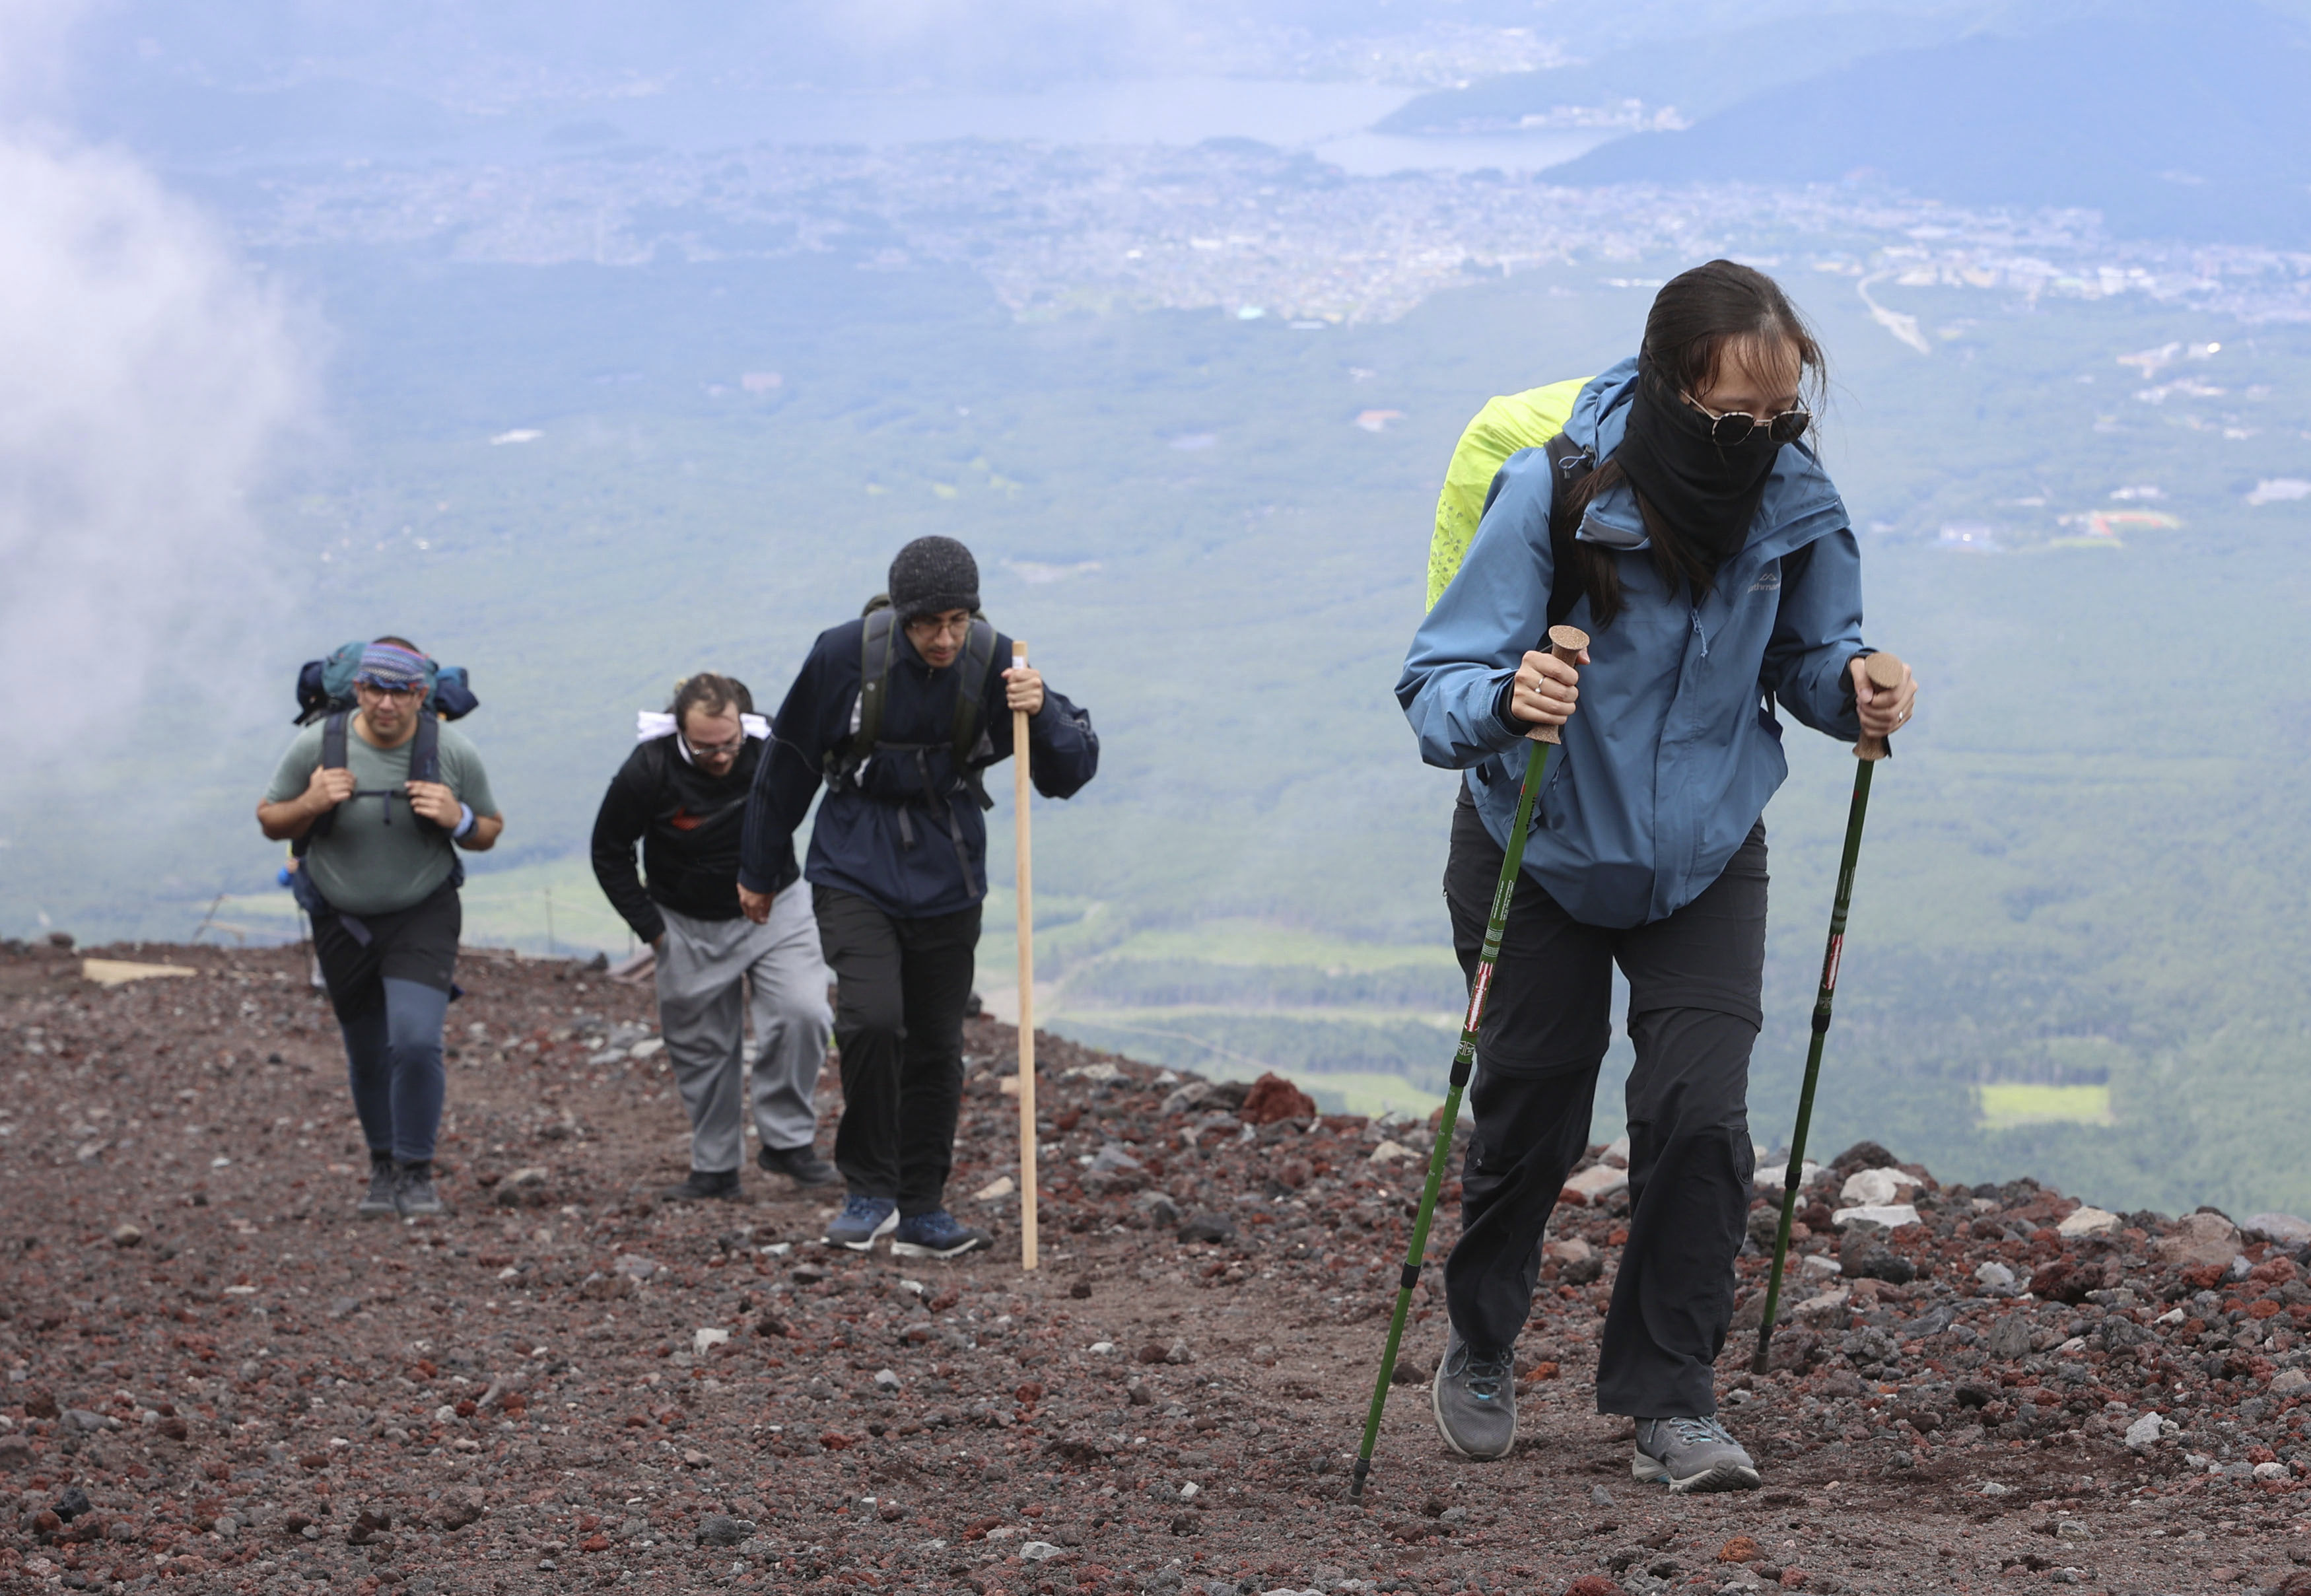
x,y
1706,494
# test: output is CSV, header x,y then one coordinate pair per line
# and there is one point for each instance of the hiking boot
x,y
1474,1401
704,1185
414,1193
382,1179
801,1164
863,1219
935,1235
1692,1454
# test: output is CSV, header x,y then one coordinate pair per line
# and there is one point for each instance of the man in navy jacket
x,y
898,871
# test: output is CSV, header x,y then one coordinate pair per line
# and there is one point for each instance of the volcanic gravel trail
x,y
218,1379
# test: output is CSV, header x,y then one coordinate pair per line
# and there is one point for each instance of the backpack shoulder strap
x,y
875,636
971,687
425,748
1570,465
333,758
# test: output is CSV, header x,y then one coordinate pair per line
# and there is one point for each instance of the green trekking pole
x,y
1884,674
1566,642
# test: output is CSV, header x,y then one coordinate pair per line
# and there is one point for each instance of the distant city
x,y
1230,226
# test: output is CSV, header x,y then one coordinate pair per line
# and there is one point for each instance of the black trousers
x,y
900,988
1694,982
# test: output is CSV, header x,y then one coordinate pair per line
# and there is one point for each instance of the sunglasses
x,y
1735,428
715,750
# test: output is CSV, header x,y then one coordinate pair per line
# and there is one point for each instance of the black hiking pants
x,y
900,988
1694,982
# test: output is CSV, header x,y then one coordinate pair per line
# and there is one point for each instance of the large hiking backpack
x,y
325,686
425,765
1533,419
877,641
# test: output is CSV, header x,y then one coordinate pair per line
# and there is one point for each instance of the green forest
x,y
2085,865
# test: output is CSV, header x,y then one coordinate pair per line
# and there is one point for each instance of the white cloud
x,y
147,378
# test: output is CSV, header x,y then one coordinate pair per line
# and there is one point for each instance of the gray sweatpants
x,y
702,973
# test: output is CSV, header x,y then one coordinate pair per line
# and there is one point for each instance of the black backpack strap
x,y
426,756
1569,467
970,688
333,758
876,641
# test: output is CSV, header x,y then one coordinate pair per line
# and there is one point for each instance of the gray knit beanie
x,y
932,574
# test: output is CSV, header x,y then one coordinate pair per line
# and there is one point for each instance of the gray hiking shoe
x,y
1475,1401
382,1179
862,1221
413,1194
704,1185
1692,1454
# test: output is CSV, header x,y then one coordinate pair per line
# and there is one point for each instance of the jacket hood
x,y
1800,503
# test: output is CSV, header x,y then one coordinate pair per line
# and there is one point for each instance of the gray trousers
x,y
703,972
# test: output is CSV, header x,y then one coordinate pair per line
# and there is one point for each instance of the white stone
x,y
643,1050
1101,1348
1991,1487
1598,1180
1092,1072
1618,1151
1886,1215
1824,1306
2270,1472
2090,1221
1389,1152
1778,1174
1001,1186
1035,1551
1993,1274
2288,1382
706,1337
2285,1229
1874,1188
1818,1263
2143,1431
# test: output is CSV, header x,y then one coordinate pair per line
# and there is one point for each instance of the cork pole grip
x,y
1884,674
1566,642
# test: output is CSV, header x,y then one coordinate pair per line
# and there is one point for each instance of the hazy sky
x,y
147,378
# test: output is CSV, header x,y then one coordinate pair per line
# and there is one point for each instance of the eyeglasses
x,y
933,627
1733,428
729,750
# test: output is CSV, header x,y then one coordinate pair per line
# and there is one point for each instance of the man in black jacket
x,y
898,866
683,794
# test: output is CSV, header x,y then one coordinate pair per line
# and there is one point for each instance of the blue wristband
x,y
465,820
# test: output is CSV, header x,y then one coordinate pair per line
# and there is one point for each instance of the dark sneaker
x,y
863,1220
935,1235
801,1164
704,1186
1474,1401
414,1193
378,1203
1692,1454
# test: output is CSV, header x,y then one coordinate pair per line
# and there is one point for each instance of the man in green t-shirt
x,y
380,876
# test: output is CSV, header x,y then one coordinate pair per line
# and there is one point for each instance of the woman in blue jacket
x,y
1718,578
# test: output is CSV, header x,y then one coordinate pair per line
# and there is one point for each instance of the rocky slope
x,y
218,1378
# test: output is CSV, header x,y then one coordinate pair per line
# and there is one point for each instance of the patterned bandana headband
x,y
393,668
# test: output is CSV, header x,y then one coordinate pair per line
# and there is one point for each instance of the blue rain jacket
x,y
1675,748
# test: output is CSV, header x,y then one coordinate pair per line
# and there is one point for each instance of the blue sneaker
x,y
862,1221
935,1235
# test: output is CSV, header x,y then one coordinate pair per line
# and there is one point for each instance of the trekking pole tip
x,y
1884,672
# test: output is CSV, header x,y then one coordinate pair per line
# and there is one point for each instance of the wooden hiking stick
x,y
1884,674
1027,850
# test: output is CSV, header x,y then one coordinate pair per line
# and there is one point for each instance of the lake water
x,y
1330,120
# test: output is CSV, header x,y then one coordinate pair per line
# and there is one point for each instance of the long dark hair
x,y
1696,317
